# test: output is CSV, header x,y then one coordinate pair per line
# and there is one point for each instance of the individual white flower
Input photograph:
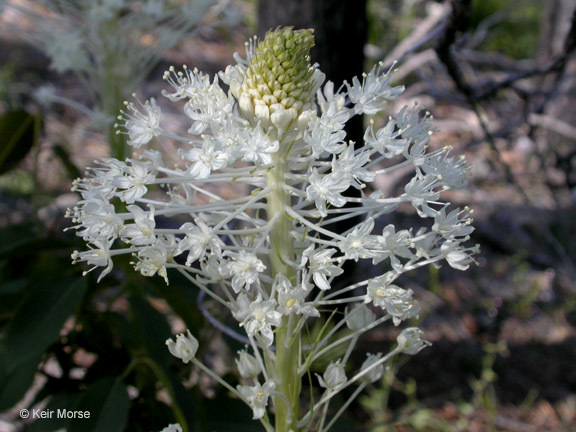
x,y
393,245
453,173
133,181
350,165
386,140
372,95
262,316
96,218
141,232
151,157
396,301
416,153
359,317
258,148
376,372
184,348
187,84
410,341
415,127
247,365
142,126
457,255
207,159
359,243
241,307
100,181
244,268
172,428
325,189
198,240
333,105
257,397
153,259
325,136
98,256
292,300
453,225
334,375
211,268
420,192
209,106
321,265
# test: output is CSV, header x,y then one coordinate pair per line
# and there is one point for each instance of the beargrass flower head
x,y
270,251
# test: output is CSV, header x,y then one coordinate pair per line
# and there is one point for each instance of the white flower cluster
x,y
272,256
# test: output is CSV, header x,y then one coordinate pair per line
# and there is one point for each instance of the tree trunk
x,y
340,33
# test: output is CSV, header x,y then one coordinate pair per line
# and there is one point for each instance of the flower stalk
x,y
287,347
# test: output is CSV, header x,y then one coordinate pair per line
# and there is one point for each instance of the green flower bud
x,y
280,83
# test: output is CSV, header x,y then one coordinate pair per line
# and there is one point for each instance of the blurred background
x,y
498,77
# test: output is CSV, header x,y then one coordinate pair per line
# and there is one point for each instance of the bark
x,y
340,33
340,30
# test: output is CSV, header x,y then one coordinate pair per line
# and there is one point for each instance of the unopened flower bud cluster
x,y
272,257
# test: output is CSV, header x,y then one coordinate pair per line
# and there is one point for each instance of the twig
x,y
427,31
458,21
219,325
554,124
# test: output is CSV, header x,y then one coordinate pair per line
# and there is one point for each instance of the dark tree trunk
x,y
340,31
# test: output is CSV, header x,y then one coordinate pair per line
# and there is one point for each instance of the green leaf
x,y
238,415
182,300
61,153
107,404
40,317
17,137
21,240
153,330
11,294
15,383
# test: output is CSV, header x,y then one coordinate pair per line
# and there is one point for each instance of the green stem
x,y
113,103
287,347
112,99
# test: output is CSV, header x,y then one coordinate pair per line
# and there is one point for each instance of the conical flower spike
x,y
280,83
